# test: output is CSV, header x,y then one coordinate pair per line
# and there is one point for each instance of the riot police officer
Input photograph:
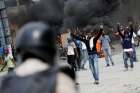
x,y
37,73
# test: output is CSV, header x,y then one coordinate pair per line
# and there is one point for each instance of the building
x,y
4,26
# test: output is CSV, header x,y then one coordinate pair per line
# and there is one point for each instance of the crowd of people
x,y
8,59
35,68
81,48
40,71
36,56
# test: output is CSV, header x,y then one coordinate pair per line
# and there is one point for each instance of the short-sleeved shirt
x,y
71,46
83,46
138,33
134,36
105,40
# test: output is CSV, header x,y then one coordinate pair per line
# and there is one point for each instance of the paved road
x,y
112,79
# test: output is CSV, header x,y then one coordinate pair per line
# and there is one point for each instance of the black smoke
x,y
73,13
83,12
108,12
79,13
50,11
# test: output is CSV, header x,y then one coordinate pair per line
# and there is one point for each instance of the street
x,y
113,79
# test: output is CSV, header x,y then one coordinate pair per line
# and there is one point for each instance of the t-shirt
x,y
138,33
83,46
71,46
69,35
105,40
134,36
91,44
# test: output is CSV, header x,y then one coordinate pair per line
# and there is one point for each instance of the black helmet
x,y
37,40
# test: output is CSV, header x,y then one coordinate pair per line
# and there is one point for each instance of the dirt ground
x,y
113,79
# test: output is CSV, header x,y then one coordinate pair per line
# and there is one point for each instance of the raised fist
x,y
101,26
130,23
118,24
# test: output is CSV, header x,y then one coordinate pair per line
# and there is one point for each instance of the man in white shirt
x,y
71,48
138,34
133,46
84,55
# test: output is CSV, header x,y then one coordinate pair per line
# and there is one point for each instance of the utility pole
x,y
4,26
18,5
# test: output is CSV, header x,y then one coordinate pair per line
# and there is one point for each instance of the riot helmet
x,y
36,39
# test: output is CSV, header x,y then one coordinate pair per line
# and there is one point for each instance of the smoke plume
x,y
79,13
50,11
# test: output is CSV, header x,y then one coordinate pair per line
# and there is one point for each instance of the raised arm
x,y
131,30
118,28
99,34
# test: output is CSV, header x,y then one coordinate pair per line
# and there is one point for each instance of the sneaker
x,y
131,66
96,82
112,63
77,83
107,65
131,69
126,69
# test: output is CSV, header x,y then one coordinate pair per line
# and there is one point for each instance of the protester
x,y
105,41
133,46
84,58
78,54
9,62
138,34
38,73
133,43
92,53
127,45
71,54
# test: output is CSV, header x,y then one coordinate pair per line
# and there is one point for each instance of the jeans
x,y
134,53
93,63
78,59
84,58
71,61
108,55
127,55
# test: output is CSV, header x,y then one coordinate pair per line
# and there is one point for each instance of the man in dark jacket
x,y
127,44
92,52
